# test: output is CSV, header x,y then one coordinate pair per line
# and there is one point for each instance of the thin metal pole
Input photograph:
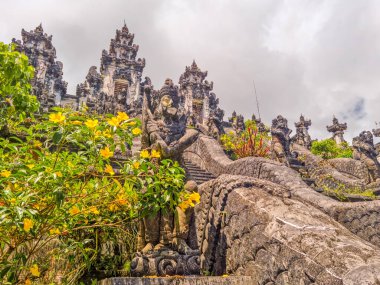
x,y
257,101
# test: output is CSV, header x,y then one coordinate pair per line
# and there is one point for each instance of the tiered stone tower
x,y
117,86
200,102
48,85
338,130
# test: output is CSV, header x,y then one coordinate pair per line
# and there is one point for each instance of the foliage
x,y
249,142
328,149
15,88
334,188
62,193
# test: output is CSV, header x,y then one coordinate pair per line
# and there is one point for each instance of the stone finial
x,y
338,130
302,136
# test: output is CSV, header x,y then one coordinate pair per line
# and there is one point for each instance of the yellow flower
x,y
28,224
144,154
59,173
195,197
121,200
106,153
136,164
37,143
155,154
122,116
57,117
78,123
91,123
131,123
28,282
107,134
94,210
112,207
55,232
114,121
12,200
184,205
74,210
5,173
98,133
30,166
34,270
109,169
136,131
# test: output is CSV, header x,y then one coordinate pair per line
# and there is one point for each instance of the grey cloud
x,y
317,58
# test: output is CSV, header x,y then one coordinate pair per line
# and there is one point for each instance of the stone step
x,y
194,172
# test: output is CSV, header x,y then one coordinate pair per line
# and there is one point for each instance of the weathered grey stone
x,y
206,153
260,230
199,280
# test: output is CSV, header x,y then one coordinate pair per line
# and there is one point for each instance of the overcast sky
x,y
316,57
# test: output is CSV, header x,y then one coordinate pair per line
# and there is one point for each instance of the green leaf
x,y
57,137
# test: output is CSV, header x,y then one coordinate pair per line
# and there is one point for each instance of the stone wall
x,y
361,218
252,227
352,167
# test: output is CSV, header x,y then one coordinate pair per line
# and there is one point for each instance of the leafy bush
x,y
15,88
328,149
62,193
249,142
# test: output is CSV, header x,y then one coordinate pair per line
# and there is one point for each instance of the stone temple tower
x,y
117,86
200,102
48,85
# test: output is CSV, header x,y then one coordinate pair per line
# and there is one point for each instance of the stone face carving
x,y
237,122
338,130
48,85
200,104
302,136
163,243
280,146
365,151
118,85
164,121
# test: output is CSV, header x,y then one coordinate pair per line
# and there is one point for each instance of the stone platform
x,y
194,280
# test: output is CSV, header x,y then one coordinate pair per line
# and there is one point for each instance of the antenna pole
x,y
257,101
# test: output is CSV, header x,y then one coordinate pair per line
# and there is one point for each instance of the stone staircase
x,y
194,172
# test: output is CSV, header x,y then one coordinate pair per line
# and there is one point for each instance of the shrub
x,y
15,88
328,149
249,142
61,193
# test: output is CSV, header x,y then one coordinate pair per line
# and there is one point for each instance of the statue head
x,y
280,122
366,136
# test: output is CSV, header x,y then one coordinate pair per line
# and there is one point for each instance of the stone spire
x,y
302,136
200,103
48,85
117,86
338,130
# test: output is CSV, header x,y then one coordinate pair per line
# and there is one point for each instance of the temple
x,y
200,103
48,84
118,85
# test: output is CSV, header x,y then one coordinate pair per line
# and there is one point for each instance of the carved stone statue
x,y
164,122
163,243
364,150
280,146
302,136
338,130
